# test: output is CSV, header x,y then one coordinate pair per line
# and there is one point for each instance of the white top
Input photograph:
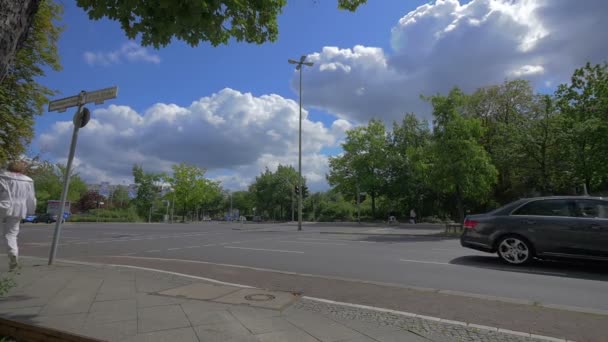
x,y
17,196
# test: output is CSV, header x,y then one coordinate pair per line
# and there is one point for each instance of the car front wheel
x,y
515,250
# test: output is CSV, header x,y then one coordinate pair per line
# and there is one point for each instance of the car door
x,y
592,227
549,223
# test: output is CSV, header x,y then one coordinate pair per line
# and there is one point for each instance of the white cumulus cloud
x,y
234,135
128,52
447,43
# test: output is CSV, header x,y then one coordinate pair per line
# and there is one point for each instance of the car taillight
x,y
470,224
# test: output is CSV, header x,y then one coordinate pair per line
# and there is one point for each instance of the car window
x,y
591,208
556,207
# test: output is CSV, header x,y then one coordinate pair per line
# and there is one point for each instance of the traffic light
x,y
297,190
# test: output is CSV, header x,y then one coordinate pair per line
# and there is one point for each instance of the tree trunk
x,y
459,204
15,21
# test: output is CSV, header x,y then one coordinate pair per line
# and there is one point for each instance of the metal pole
x,y
300,158
150,215
358,205
66,182
230,206
293,207
173,206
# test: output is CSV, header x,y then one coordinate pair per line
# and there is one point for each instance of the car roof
x,y
566,197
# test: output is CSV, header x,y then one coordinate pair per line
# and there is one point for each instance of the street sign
x,y
97,96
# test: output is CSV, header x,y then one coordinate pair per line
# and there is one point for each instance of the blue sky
x,y
214,107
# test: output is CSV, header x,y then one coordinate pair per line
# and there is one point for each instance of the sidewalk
x,y
127,304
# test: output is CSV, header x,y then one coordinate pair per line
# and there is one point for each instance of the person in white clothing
x,y
17,199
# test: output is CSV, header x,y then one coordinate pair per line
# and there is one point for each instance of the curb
x,y
327,301
435,235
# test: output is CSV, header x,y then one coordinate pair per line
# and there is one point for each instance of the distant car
x,y
542,227
50,218
28,218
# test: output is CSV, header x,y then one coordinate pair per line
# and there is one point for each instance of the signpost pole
x,y
66,179
81,118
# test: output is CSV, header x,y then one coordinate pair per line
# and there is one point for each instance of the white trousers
x,y
10,228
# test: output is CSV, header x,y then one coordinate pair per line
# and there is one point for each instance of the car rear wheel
x,y
515,250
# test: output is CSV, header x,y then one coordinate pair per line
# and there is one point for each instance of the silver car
x,y
542,227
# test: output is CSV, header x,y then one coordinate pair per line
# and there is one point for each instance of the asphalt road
x,y
408,261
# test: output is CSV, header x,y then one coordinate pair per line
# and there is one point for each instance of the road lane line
x,y
265,250
316,243
426,262
174,249
153,251
192,247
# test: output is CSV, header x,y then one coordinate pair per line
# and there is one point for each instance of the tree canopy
x,y
22,97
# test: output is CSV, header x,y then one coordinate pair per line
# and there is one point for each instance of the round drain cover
x,y
259,297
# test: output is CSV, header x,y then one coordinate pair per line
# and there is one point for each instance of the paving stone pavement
x,y
126,304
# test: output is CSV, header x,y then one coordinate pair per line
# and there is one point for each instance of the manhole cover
x,y
259,297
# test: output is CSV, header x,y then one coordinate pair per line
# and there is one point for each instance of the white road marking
x,y
316,243
153,251
265,250
425,262
192,247
174,249
133,253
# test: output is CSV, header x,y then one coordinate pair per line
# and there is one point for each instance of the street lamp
x,y
299,68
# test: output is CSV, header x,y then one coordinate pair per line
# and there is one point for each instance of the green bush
x,y
107,215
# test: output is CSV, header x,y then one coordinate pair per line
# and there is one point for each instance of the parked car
x,y
28,218
50,218
542,227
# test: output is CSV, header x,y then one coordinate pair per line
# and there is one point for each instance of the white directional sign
x,y
97,96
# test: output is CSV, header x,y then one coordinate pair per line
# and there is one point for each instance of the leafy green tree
x,y
120,196
504,111
192,190
407,183
584,105
364,165
274,192
22,97
147,190
542,164
460,166
48,183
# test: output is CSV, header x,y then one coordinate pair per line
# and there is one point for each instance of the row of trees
x,y
483,149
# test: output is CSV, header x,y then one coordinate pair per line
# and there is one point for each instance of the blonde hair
x,y
17,166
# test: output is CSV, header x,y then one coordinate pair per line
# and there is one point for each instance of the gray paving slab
x,y
229,331
113,289
198,313
259,298
320,327
113,311
265,325
381,333
20,312
71,322
145,300
161,318
110,331
76,297
149,284
202,291
240,311
172,335
293,335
